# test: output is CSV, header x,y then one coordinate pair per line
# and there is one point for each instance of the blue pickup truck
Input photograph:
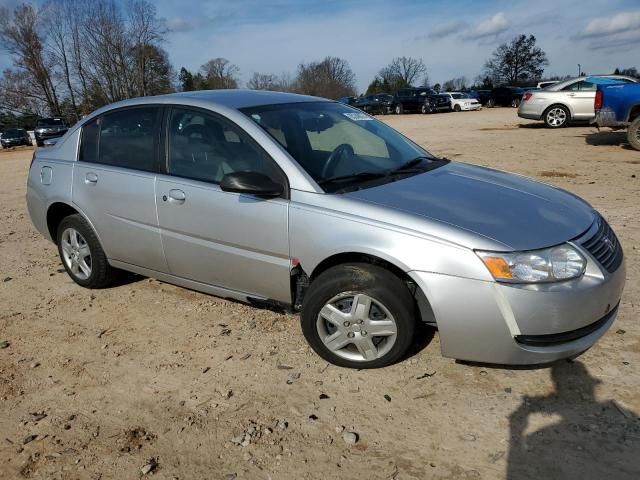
x,y
617,105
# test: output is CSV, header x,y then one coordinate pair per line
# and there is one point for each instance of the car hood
x,y
516,212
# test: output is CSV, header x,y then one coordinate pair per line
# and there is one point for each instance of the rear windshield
x,y
50,122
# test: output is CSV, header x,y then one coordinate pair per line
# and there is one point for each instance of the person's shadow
x,y
576,437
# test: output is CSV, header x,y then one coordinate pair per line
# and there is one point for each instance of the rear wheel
x,y
358,316
515,103
82,255
491,103
556,116
633,134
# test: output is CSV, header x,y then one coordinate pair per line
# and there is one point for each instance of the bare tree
x,y
263,81
21,37
330,78
146,31
403,71
455,84
220,73
517,61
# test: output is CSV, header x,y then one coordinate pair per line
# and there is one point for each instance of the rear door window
x,y
126,138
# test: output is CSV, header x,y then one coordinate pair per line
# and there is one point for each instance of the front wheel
x,y
457,108
399,109
425,108
556,116
358,316
633,134
490,103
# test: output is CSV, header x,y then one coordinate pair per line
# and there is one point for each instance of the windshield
x,y
50,122
339,146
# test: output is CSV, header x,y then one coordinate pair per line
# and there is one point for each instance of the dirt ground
x,y
101,384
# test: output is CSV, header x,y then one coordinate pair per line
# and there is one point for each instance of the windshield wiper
x,y
408,167
353,176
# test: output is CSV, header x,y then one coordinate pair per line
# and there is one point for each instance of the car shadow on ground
x,y
608,138
569,434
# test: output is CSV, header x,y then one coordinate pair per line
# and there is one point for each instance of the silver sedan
x,y
313,206
559,104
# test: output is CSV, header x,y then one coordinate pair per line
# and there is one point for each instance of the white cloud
x,y
447,29
613,32
491,27
616,24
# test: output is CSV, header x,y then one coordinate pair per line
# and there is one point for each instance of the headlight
x,y
548,265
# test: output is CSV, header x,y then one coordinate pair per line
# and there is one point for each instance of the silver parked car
x,y
563,102
281,199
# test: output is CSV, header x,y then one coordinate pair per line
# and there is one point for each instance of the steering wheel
x,y
335,157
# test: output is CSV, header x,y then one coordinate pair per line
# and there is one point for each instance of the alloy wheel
x,y
556,117
76,253
356,327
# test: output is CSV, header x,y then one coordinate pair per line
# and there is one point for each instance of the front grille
x,y
605,247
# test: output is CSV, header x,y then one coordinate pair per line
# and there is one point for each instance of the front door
x,y
113,184
239,242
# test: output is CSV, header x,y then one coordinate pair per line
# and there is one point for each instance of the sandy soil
x,y
99,384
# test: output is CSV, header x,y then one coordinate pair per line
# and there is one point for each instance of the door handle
x,y
91,178
177,196
571,94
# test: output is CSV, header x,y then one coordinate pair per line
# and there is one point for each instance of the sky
x,y
453,37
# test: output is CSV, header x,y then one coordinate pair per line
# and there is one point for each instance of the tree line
x,y
73,56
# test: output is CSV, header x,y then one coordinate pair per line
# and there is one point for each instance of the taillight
x,y
527,96
597,104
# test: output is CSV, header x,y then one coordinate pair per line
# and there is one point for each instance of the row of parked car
x,y
46,128
427,100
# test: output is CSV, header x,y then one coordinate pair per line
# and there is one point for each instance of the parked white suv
x,y
463,101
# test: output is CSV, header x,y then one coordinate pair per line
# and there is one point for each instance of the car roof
x,y
229,98
564,83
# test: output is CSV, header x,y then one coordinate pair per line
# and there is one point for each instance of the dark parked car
x,y
411,99
49,128
505,97
482,96
348,100
436,103
12,137
380,103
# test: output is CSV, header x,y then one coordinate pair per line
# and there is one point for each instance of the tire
x,y
556,116
335,292
633,134
456,108
399,109
87,247
425,109
515,103
490,103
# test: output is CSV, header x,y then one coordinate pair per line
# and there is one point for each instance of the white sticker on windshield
x,y
357,116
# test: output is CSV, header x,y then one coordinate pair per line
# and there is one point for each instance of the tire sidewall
x,y
374,281
632,134
99,265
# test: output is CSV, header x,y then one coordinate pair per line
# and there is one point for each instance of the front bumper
x,y
494,322
41,136
471,107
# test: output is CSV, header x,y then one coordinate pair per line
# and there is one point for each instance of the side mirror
x,y
252,183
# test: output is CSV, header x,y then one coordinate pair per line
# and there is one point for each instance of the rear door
x,y
114,180
580,97
230,240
